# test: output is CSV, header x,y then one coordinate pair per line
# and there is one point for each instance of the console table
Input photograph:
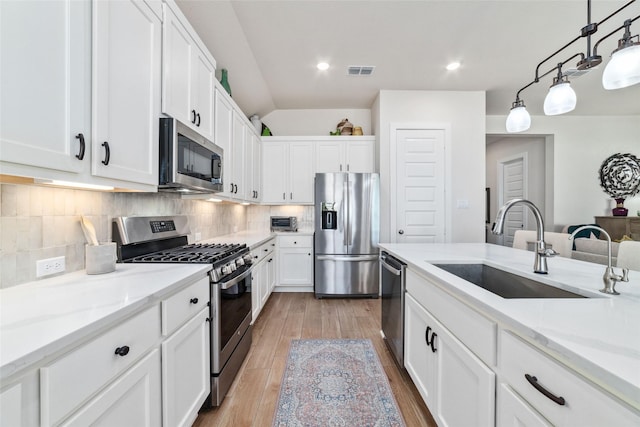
x,y
618,226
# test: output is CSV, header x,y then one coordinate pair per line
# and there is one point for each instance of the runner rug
x,y
335,382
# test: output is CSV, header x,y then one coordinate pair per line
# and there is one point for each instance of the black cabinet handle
x,y
122,351
534,382
193,300
270,259
107,153
426,335
198,116
231,191
433,342
193,116
80,154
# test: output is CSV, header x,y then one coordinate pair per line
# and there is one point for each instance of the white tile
x,y
22,233
7,270
8,230
48,232
35,200
9,200
35,232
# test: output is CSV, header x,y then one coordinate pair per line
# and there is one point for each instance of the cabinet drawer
x,y
584,404
476,331
295,241
73,378
185,304
258,253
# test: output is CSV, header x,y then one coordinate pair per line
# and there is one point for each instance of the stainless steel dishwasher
x,y
392,278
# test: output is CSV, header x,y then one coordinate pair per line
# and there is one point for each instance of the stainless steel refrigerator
x,y
347,230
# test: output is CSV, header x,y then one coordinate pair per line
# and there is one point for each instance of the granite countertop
x,y
597,336
41,318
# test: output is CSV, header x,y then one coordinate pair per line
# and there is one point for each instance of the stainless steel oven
x,y
392,278
164,239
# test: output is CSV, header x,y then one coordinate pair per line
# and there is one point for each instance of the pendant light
x,y
519,119
561,97
623,69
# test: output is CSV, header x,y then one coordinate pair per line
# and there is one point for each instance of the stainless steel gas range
x,y
163,239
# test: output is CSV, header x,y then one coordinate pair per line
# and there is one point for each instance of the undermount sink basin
x,y
504,284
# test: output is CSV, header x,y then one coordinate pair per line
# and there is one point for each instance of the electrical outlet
x,y
46,267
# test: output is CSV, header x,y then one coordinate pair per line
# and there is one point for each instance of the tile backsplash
x,y
42,222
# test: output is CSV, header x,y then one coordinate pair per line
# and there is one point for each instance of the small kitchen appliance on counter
x,y
163,239
346,234
284,223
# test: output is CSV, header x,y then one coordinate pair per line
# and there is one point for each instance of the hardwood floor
x,y
252,399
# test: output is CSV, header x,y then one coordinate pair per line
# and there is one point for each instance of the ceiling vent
x,y
360,70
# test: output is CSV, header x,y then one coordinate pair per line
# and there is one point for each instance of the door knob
x,y
400,231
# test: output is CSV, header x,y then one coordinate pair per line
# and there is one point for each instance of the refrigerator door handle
x,y
347,258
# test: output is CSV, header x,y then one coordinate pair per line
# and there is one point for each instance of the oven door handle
x,y
235,280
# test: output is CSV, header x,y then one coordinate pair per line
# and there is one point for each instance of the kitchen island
x,y
597,338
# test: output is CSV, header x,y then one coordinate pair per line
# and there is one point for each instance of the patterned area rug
x,y
336,382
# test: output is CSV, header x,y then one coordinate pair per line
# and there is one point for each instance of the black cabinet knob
x,y
193,300
122,351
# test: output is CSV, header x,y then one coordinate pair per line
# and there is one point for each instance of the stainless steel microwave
x,y
189,162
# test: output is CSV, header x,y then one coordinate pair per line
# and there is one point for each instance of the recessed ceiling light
x,y
322,66
453,66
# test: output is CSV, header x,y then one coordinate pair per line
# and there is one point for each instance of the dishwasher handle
x,y
392,269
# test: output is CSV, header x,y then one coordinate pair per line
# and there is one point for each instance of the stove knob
x,y
239,262
226,269
216,273
247,259
233,266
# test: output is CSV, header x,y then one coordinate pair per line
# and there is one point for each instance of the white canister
x,y
100,259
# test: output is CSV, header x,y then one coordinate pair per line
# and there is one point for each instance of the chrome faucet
x,y
610,278
542,252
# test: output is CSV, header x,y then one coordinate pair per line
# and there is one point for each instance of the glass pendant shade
x,y
560,99
623,69
518,120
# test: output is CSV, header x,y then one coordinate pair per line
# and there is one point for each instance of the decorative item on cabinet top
x,y
620,178
224,81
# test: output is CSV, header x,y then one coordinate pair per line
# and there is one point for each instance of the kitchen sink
x,y
504,284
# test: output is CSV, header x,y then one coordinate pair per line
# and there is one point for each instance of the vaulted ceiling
x,y
271,49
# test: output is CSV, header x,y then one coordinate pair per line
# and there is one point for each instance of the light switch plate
x,y
463,204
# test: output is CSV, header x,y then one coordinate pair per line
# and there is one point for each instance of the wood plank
x,y
253,396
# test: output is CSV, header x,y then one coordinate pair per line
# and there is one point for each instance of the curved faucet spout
x,y
609,278
542,253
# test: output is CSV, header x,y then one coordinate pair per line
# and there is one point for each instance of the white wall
x,y
581,144
465,112
315,122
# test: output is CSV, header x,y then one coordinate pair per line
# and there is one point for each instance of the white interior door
x,y
420,184
512,180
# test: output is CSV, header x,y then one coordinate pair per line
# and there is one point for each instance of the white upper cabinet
x,y
345,154
287,172
126,90
253,167
223,138
45,77
188,74
237,161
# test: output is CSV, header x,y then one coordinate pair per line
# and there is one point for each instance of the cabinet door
x,y
419,360
360,156
223,131
45,78
271,273
329,156
513,411
237,159
301,173
274,172
185,371
203,74
296,266
256,168
257,277
131,400
126,88
464,381
177,57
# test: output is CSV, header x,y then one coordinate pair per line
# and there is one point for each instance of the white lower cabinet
x,y
262,276
296,260
132,400
185,371
513,411
458,388
554,391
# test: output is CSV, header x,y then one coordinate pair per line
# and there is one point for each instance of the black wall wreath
x,y
620,175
